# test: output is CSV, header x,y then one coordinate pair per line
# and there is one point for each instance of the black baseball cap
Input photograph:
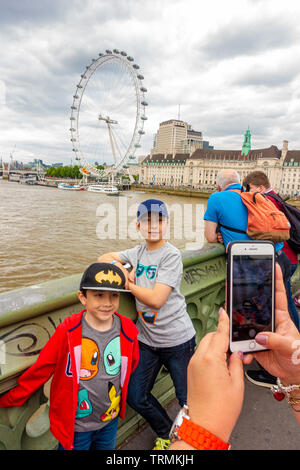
x,y
103,276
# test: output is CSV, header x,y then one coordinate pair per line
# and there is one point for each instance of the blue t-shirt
x,y
227,208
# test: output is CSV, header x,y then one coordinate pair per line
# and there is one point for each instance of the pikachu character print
x,y
114,407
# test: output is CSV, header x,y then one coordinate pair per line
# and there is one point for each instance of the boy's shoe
x,y
261,377
161,444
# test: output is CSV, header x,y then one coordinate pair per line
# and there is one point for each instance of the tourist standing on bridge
x,y
91,356
226,213
166,333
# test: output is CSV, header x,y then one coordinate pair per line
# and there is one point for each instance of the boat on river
x,y
28,180
71,187
109,190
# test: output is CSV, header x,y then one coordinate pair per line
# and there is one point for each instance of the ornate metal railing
x,y
29,316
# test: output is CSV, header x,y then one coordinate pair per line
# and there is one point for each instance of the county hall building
x,y
180,157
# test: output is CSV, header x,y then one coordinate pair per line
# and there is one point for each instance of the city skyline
x,y
227,65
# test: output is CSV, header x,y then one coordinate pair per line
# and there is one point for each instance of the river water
x,y
48,233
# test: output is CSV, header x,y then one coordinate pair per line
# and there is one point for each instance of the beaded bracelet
x,y
280,392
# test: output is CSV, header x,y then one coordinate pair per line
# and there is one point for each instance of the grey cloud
x,y
14,12
37,12
248,39
273,77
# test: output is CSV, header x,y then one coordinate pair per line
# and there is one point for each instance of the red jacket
x,y
61,357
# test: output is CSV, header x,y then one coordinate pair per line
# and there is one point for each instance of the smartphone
x,y
250,292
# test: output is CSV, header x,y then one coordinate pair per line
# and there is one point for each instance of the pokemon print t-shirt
x,y
170,325
99,393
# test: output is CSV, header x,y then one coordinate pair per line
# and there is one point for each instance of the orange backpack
x,y
265,221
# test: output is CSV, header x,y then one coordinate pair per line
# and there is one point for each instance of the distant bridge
x,y
11,174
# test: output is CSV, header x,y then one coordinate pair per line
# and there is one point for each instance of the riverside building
x,y
199,167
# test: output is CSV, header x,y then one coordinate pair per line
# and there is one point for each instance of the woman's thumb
x,y
274,341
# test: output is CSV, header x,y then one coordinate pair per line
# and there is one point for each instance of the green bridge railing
x,y
29,316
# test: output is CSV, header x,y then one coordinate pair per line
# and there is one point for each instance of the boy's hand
x,y
131,275
125,272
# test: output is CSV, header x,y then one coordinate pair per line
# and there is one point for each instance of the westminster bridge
x,y
29,316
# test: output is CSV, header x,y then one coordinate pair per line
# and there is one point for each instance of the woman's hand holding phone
x,y
282,359
215,386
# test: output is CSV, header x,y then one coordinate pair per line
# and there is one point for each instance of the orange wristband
x,y
199,437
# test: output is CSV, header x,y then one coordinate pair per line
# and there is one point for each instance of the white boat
x,y
72,187
28,180
98,188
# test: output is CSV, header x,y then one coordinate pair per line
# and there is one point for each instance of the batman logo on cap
x,y
110,277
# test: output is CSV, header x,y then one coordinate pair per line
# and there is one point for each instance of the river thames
x,y
48,233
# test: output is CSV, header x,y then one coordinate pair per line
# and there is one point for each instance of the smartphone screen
x,y
251,296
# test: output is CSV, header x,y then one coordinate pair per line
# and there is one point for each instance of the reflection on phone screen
x,y
251,296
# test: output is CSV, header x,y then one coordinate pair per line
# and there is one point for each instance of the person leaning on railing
x,y
215,390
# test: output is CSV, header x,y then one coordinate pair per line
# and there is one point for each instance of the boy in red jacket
x,y
91,356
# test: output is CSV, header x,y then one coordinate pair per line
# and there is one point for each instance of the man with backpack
x,y
226,220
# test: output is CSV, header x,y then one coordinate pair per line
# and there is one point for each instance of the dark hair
x,y
258,178
83,291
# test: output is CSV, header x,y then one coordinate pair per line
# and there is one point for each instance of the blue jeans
x,y
139,397
101,439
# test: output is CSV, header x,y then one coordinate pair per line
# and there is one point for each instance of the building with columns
x,y
199,168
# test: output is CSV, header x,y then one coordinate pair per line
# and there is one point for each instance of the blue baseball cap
x,y
152,205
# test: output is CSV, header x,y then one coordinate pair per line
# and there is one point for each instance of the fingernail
x,y
220,311
241,355
261,339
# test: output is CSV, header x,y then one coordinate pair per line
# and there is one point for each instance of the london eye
x,y
108,114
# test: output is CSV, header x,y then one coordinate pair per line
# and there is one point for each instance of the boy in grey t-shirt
x,y
166,333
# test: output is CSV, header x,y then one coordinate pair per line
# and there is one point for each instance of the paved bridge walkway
x,y
264,424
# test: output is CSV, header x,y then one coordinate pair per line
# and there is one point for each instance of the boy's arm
x,y
168,276
115,256
34,377
128,256
155,297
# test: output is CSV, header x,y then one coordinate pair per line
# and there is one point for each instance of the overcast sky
x,y
228,64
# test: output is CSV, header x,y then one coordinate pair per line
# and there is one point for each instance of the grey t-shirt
x,y
99,394
169,325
